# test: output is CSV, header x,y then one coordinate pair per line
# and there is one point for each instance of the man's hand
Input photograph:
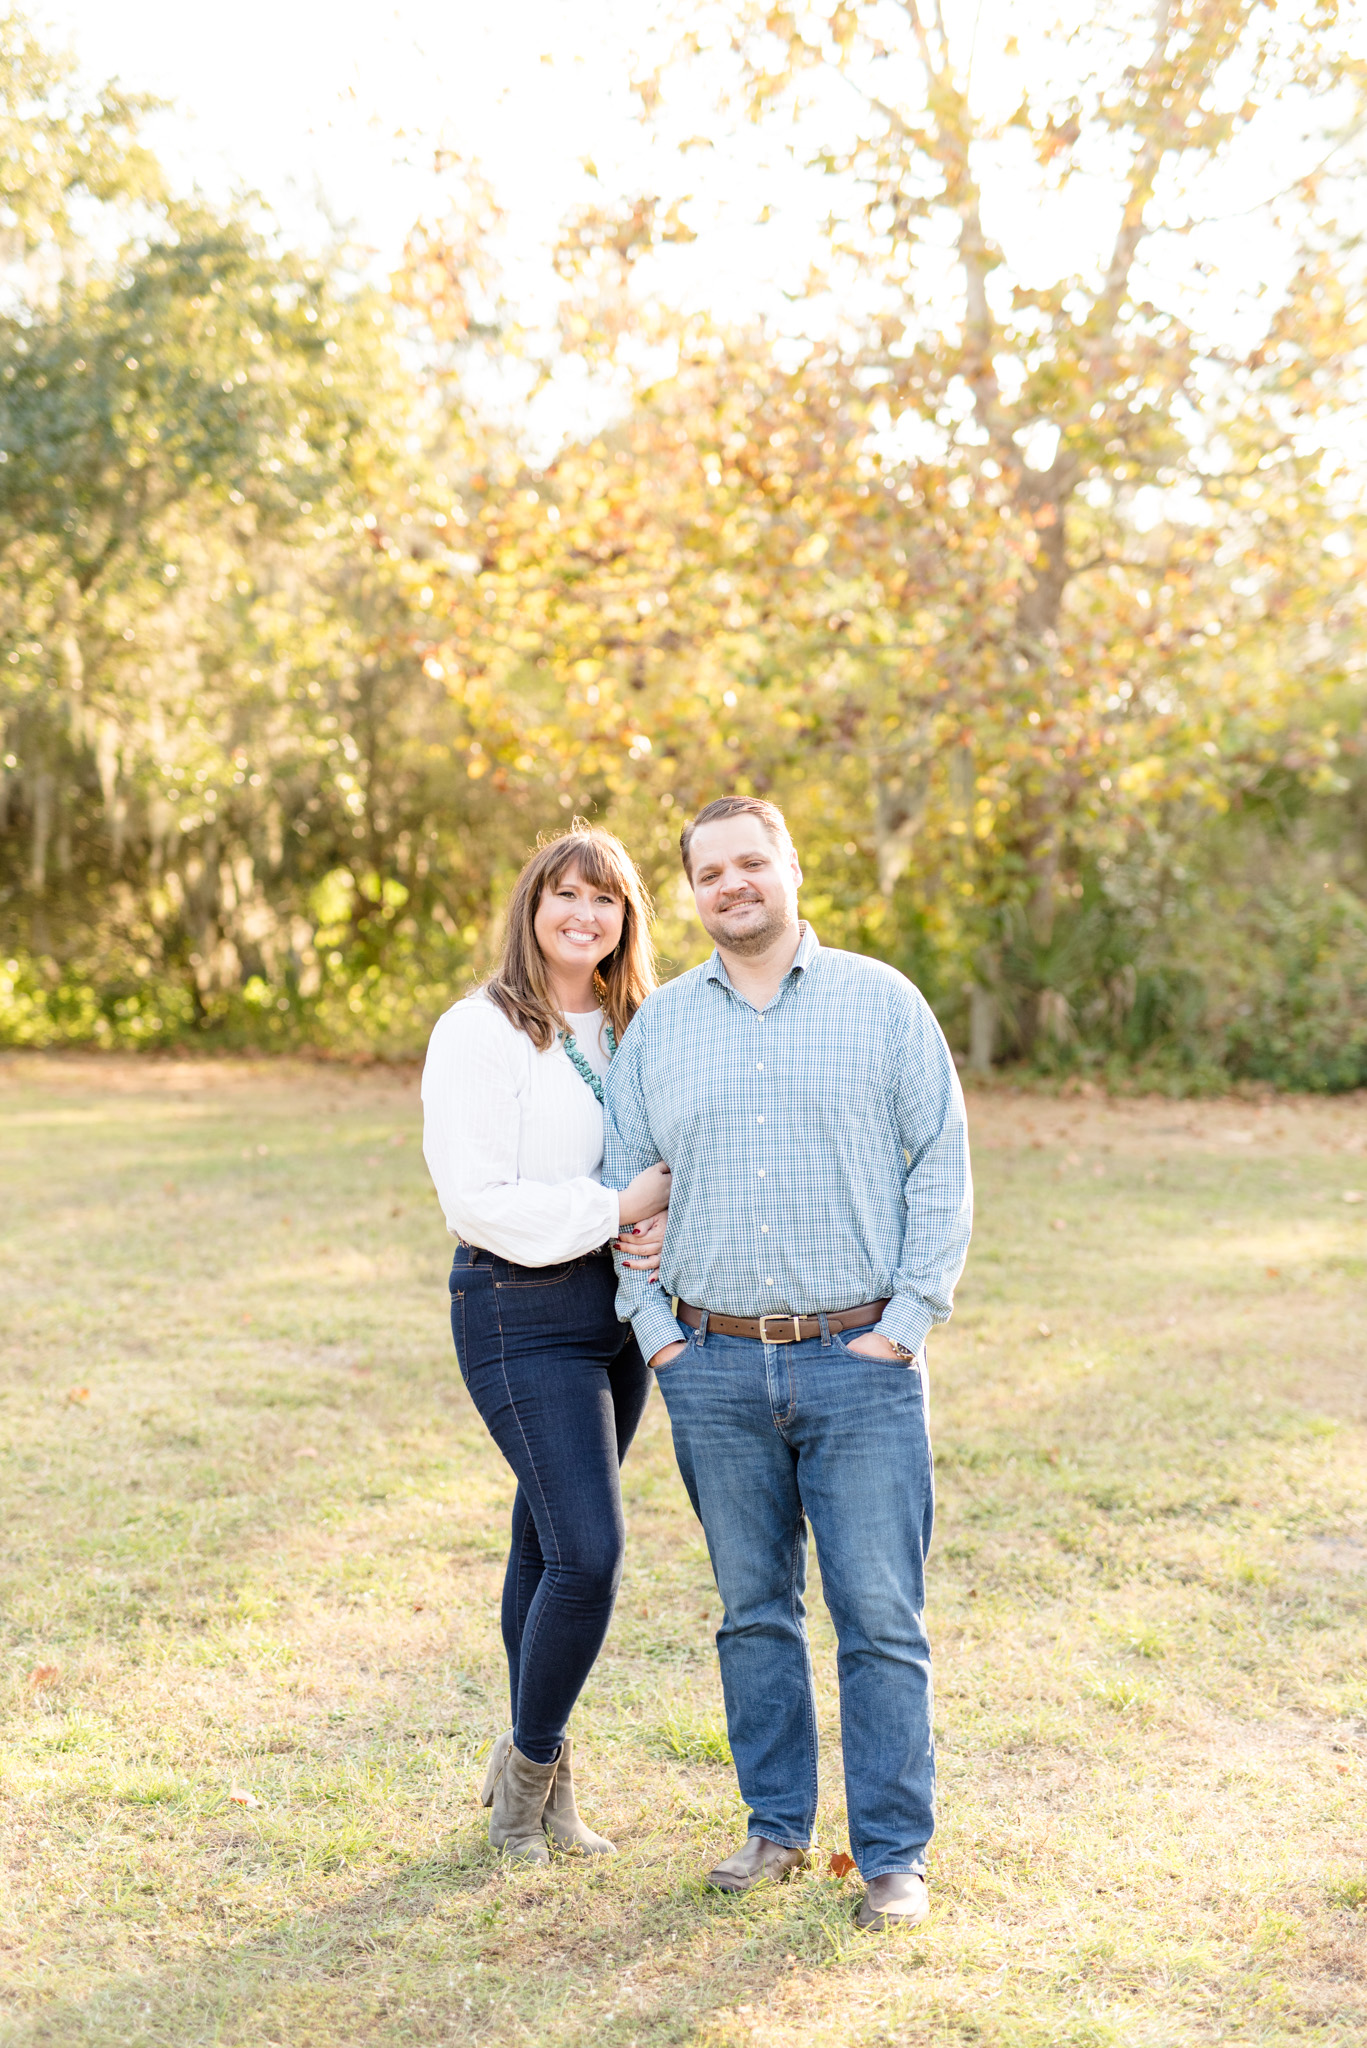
x,y
667,1356
873,1346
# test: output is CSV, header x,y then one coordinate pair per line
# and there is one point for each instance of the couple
x,y
777,1148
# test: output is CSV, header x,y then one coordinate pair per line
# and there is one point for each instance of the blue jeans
x,y
560,1385
768,1436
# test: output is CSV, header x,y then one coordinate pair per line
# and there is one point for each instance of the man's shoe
x,y
898,1900
759,1862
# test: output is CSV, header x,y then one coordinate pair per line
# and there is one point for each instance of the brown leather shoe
x,y
898,1900
759,1862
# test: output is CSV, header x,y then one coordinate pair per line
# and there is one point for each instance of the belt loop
x,y
825,1329
702,1326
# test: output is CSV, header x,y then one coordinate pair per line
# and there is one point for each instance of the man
x,y
809,1110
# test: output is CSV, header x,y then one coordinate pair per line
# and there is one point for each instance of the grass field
x,y
253,1540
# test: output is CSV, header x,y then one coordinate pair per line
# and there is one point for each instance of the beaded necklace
x,y
581,1065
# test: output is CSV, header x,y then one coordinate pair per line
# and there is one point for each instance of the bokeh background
x,y
417,429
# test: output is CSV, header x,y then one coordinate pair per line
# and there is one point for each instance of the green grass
x,y
253,1543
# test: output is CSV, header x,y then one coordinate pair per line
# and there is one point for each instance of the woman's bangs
x,y
598,864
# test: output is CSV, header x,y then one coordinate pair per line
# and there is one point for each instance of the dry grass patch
x,y
254,1543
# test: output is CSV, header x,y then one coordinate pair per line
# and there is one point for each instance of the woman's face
x,y
577,924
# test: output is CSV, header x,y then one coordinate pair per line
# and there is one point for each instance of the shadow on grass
x,y
466,1948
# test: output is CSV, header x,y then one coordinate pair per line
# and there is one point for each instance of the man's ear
x,y
797,870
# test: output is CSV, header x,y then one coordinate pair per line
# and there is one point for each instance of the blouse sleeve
x,y
471,1123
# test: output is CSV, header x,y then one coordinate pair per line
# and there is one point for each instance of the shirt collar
x,y
809,945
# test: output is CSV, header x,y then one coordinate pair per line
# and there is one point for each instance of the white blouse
x,y
513,1137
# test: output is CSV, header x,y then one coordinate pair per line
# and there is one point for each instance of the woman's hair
x,y
519,985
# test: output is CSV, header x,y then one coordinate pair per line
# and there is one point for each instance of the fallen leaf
x,y
1058,1224
1352,1195
1044,1330
78,1396
168,1187
246,1319
1273,1272
841,1865
306,1451
420,1607
43,1677
240,1797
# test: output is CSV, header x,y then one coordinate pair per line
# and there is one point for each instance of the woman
x,y
513,1136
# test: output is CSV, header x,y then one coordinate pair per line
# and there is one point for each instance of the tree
x,y
1134,512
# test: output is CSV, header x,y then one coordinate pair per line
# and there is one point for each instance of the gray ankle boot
x,y
517,1790
498,1757
561,1819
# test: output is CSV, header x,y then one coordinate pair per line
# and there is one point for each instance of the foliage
x,y
1039,606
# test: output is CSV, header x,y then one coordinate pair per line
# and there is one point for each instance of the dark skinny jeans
x,y
560,1385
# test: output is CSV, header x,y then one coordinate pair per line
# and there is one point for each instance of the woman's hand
x,y
640,1243
647,1195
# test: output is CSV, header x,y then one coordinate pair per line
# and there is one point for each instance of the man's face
x,y
745,884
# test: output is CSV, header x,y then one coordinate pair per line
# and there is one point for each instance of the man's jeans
x,y
765,1433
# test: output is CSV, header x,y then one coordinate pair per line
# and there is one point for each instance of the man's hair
x,y
769,815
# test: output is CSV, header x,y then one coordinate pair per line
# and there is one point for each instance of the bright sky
x,y
344,100
339,104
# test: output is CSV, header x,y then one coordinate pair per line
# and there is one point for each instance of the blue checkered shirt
x,y
819,1147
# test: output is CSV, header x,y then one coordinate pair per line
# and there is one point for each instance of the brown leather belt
x,y
775,1329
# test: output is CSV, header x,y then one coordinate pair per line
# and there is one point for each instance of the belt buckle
x,y
796,1337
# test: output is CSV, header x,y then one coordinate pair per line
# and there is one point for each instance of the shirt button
x,y
765,1228
760,1068
761,1173
759,1119
768,1282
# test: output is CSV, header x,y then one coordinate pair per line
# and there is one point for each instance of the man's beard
x,y
755,938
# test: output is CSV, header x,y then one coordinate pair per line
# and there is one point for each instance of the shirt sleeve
x,y
932,1125
472,1120
628,1148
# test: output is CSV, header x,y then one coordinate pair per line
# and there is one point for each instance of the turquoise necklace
x,y
581,1065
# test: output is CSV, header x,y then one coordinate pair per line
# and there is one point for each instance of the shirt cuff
x,y
655,1327
905,1321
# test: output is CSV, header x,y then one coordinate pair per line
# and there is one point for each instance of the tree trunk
x,y
982,1029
